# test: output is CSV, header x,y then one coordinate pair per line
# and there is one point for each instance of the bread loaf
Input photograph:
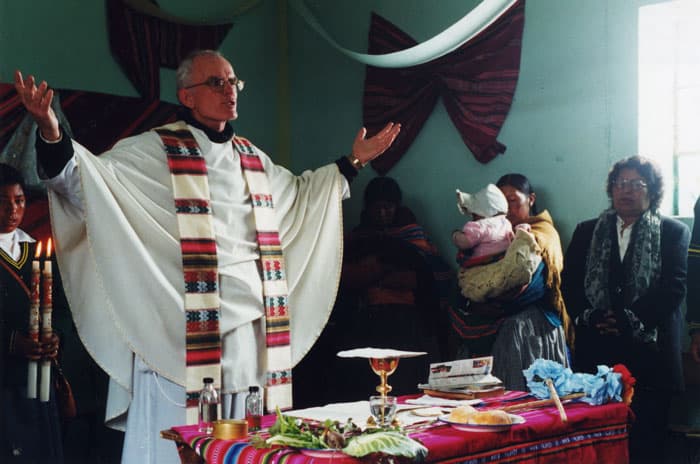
x,y
491,417
462,414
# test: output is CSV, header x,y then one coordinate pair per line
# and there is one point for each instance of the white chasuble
x,y
119,254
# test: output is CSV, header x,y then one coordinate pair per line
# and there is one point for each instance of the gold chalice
x,y
383,362
384,367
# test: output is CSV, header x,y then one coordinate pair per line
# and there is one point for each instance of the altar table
x,y
592,434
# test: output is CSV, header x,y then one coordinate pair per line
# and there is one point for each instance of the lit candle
x,y
46,328
33,328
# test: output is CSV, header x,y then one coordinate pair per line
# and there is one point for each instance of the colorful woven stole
x,y
199,261
278,387
192,200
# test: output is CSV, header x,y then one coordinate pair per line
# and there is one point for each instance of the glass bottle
x,y
208,406
253,408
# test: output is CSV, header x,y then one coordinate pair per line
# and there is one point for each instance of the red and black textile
x,y
476,82
11,113
465,260
142,43
97,120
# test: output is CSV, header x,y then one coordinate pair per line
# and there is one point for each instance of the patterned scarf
x,y
200,268
642,264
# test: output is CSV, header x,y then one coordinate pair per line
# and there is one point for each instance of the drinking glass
x,y
383,409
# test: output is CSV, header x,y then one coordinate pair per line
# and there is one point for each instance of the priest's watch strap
x,y
354,160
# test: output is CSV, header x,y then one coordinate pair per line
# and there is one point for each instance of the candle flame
x,y
38,250
48,249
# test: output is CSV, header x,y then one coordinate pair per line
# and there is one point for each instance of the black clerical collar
x,y
215,136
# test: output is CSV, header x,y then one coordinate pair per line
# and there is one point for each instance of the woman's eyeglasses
x,y
630,184
218,84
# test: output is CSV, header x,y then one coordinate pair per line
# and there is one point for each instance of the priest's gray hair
x,y
184,71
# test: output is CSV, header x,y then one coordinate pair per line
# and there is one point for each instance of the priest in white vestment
x,y
118,248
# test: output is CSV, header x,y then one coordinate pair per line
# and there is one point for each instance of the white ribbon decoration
x,y
448,40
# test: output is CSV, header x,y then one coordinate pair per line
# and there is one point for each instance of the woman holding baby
x,y
516,311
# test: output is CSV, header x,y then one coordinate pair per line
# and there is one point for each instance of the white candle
x,y
46,327
33,326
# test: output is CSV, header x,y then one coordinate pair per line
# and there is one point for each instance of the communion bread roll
x,y
491,417
462,414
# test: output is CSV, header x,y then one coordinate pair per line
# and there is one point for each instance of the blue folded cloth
x,y
600,388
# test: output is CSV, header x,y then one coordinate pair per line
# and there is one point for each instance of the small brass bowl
x,y
230,429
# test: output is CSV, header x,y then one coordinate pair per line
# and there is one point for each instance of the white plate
x,y
485,427
322,453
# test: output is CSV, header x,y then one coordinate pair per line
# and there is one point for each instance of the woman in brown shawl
x,y
531,324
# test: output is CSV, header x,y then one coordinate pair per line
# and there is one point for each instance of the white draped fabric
x,y
448,40
119,254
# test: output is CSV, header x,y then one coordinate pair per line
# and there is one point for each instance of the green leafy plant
x,y
387,442
348,437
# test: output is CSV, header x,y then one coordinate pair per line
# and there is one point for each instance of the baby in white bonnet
x,y
489,233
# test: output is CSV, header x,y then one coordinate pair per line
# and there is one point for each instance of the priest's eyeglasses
x,y
218,84
630,184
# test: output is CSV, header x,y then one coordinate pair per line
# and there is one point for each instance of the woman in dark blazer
x,y
624,281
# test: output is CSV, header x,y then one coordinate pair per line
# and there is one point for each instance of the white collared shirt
x,y
623,236
9,242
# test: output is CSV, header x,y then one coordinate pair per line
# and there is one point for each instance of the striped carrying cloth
x,y
198,243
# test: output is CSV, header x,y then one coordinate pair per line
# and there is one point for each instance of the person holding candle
x,y
31,429
257,248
